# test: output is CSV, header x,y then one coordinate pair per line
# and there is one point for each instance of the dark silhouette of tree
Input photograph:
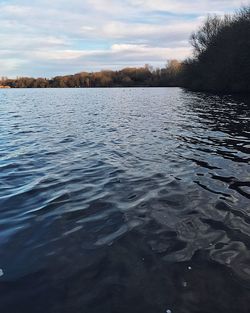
x,y
208,32
221,55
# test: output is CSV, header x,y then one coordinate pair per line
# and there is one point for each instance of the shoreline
x,y
215,92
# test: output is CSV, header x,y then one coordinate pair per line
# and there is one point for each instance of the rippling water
x,y
124,200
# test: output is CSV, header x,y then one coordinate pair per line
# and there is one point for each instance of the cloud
x,y
187,7
46,38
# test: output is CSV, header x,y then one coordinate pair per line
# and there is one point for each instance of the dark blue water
x,y
124,201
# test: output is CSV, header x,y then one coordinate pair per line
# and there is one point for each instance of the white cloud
x,y
171,32
116,51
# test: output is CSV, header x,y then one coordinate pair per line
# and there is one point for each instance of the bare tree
x,y
208,32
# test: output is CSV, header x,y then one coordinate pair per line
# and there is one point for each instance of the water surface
x,y
124,200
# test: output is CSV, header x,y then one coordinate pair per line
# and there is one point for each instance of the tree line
x,y
220,62
145,76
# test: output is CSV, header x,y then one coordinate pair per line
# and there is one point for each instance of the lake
x,y
124,201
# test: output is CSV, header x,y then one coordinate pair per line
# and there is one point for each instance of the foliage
x,y
221,59
127,77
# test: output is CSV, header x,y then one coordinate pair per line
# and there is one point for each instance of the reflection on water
x,y
124,200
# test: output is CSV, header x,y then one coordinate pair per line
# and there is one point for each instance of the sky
x,y
45,38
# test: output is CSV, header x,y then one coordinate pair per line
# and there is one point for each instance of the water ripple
x,y
124,200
